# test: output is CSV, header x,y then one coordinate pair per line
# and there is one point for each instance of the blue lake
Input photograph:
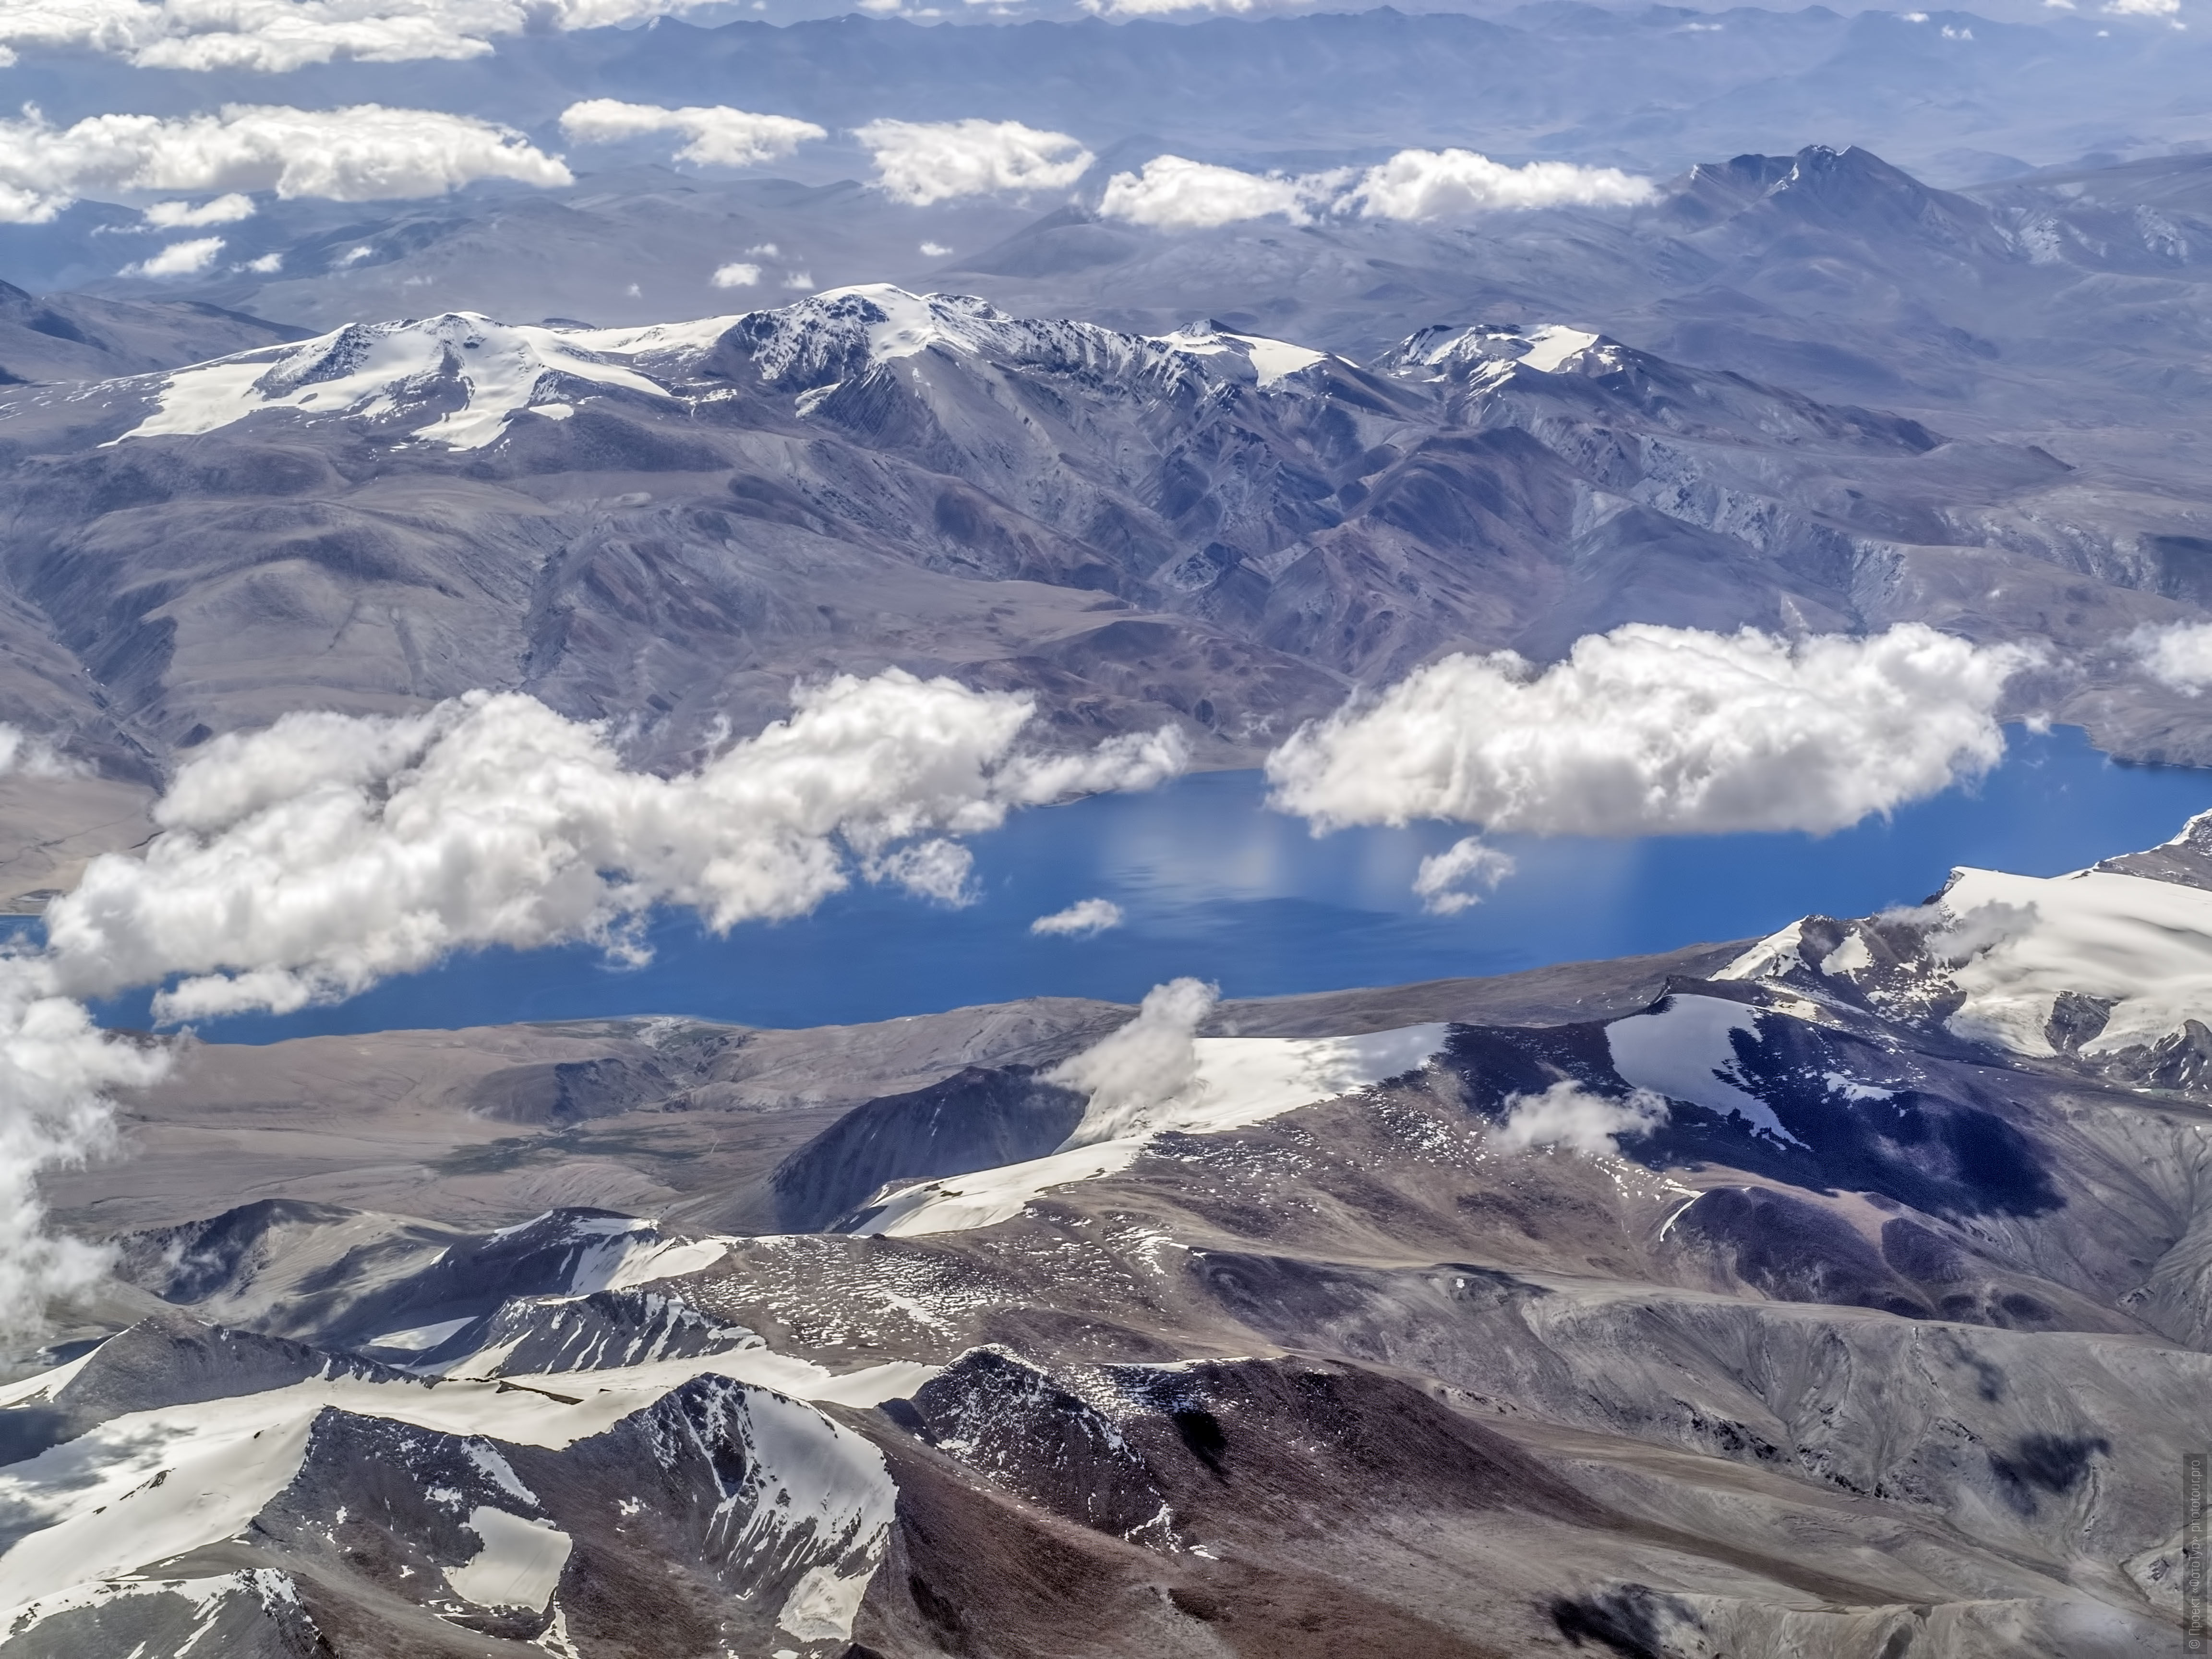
x,y
1212,883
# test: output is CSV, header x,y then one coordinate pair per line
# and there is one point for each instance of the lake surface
x,y
1212,883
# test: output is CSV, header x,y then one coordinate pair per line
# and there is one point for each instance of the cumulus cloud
x,y
367,153
277,36
178,259
1433,184
920,162
183,216
308,861
1665,730
1174,192
32,758
2179,654
1148,1064
1567,1115
1165,8
1080,919
57,1069
738,273
1456,878
713,135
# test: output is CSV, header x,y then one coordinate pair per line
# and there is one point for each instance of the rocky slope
x,y
1837,1293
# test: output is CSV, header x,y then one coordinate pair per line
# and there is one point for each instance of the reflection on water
x,y
1211,883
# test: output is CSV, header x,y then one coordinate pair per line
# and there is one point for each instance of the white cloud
x,y
1148,1065
799,281
307,861
1650,730
310,859
1165,8
267,264
2144,8
56,1070
737,274
33,758
54,1066
1455,880
716,135
2179,653
1174,192
936,869
275,36
934,250
1080,919
367,153
1430,184
1567,1115
178,259
183,216
920,162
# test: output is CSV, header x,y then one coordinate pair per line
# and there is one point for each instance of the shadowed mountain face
x,y
981,1118
1835,1294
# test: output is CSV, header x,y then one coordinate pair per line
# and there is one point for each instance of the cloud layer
x,y
307,861
920,162
1659,731
367,153
713,135
1175,193
274,36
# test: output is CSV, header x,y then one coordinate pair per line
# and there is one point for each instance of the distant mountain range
x,y
1201,520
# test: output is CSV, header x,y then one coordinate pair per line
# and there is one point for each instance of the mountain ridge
x,y
1879,1257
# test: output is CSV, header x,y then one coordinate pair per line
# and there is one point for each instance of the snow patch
x,y
1852,957
1551,348
1684,1050
418,1339
1240,1081
497,1470
148,1485
377,371
519,1565
2143,945
669,1258
1272,361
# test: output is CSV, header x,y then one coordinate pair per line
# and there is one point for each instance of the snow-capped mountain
x,y
457,380
1210,526
1834,1289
